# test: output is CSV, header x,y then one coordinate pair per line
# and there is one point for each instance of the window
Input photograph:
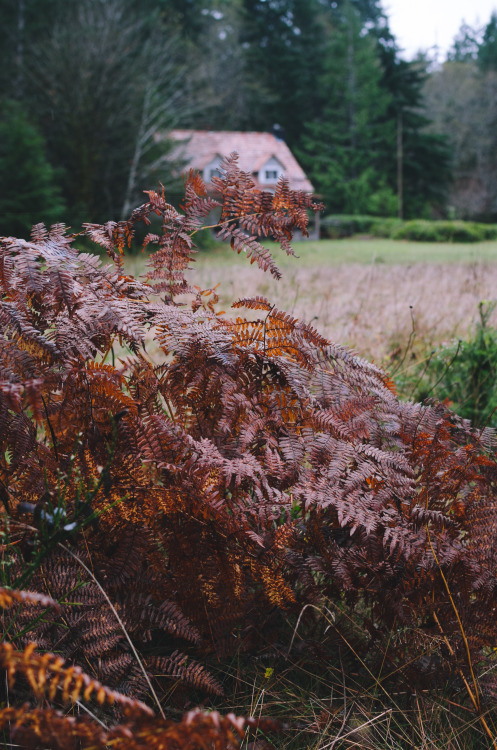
x,y
214,173
270,171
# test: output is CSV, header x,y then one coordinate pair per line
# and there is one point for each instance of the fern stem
x,y
461,627
52,433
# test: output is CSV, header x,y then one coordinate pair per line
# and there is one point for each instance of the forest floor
x,y
372,295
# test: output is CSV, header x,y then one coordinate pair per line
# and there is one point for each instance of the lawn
x,y
372,295
366,251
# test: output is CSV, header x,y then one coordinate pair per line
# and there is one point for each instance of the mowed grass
x,y
364,250
370,294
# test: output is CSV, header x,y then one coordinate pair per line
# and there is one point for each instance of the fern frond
x,y
47,675
240,241
9,597
254,303
32,727
181,667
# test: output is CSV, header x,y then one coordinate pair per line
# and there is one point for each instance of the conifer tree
x,y
28,191
342,146
487,50
425,166
283,42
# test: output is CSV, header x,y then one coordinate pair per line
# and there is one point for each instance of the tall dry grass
x,y
371,308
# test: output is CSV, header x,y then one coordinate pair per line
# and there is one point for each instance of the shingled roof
x,y
203,148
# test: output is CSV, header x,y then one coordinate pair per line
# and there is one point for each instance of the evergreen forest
x,y
85,86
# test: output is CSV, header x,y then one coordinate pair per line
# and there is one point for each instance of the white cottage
x,y
263,155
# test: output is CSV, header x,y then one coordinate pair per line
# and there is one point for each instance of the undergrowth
x,y
250,520
462,373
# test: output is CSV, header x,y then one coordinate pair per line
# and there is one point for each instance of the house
x,y
263,155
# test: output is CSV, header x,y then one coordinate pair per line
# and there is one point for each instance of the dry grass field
x,y
372,308
370,295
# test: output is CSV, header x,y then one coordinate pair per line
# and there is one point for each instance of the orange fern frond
x,y
9,597
47,675
254,303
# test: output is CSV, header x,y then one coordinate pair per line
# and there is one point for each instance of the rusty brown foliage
x,y
252,468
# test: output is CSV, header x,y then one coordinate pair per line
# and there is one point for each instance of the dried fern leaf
x,y
47,675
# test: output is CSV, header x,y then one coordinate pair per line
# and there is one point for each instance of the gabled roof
x,y
200,147
263,159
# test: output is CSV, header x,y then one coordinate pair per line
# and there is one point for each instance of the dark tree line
x,y
96,79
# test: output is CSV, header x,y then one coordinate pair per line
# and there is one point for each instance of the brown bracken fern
x,y
250,469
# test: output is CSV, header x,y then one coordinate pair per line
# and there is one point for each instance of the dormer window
x,y
271,171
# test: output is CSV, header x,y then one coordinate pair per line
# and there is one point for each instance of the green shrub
x,y
418,230
422,230
337,226
460,231
463,374
385,227
489,231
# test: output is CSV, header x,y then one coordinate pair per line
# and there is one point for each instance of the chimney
x,y
278,132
